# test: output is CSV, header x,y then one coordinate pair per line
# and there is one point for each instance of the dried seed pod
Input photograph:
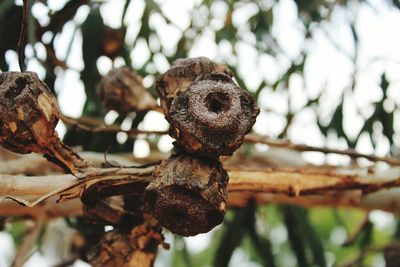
x,y
113,42
181,74
188,195
28,117
138,247
122,90
212,116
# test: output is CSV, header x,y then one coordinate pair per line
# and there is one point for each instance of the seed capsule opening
x,y
217,102
212,116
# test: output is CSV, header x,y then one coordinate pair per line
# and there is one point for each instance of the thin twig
x,y
257,139
363,254
102,128
26,249
250,138
360,228
21,41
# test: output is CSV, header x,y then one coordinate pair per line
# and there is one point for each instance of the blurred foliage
x,y
270,235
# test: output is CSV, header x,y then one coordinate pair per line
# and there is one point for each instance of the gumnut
x,y
188,194
28,117
137,247
181,74
122,90
212,116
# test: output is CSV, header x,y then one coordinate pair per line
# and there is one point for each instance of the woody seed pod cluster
x,y
188,195
28,117
209,116
136,247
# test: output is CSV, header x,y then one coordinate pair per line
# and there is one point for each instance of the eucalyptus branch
x,y
301,186
98,127
256,139
103,128
32,190
21,40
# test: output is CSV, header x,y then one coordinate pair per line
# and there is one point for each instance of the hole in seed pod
x,y
217,102
177,214
17,89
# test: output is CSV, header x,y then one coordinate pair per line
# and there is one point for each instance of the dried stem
x,y
257,139
300,186
31,190
21,41
360,228
99,127
51,208
25,250
102,128
158,109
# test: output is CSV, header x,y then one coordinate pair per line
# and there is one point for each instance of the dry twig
x,y
21,40
301,186
26,249
257,139
99,127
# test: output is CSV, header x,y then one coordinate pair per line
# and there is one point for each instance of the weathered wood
x,y
307,187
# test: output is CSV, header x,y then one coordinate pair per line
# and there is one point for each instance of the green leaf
x,y
366,235
261,24
65,14
5,6
295,235
261,244
303,239
10,17
396,3
92,36
232,237
384,85
181,255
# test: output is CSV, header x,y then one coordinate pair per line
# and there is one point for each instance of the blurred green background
x,y
324,73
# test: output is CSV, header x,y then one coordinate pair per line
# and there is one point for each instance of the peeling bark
x,y
312,187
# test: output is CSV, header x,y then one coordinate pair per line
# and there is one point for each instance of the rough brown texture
x,y
212,116
188,195
138,247
113,42
181,74
122,90
28,117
